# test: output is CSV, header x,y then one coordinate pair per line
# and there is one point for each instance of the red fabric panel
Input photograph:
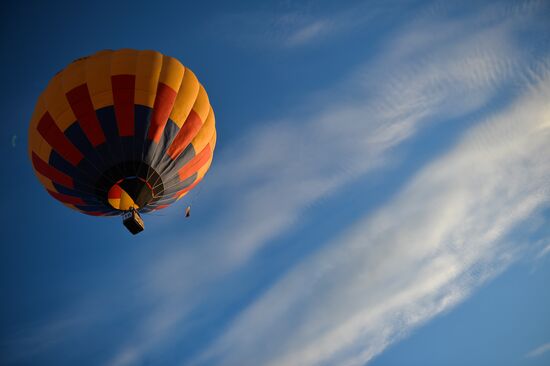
x,y
188,131
81,104
196,163
164,102
50,172
115,192
57,140
93,213
123,97
66,198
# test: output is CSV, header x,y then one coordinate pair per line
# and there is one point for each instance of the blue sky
x,y
379,193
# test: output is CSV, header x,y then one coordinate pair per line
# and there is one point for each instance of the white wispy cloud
x,y
298,24
443,235
401,275
308,32
28,343
279,169
543,252
539,351
33,341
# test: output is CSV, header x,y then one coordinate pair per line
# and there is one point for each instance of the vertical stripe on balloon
x,y
123,97
83,108
185,135
164,102
196,163
57,140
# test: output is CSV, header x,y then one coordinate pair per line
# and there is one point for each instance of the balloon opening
x,y
130,185
130,192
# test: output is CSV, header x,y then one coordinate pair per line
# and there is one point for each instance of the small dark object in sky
x,y
188,211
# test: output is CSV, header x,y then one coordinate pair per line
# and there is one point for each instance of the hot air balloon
x,y
122,133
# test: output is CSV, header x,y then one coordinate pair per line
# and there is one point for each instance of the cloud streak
x,y
280,169
539,351
444,235
294,25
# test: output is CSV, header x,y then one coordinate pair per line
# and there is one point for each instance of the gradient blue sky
x,y
380,192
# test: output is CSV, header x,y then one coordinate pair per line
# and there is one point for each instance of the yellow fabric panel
x,y
205,133
102,100
57,104
115,202
65,119
202,104
171,73
98,78
149,64
202,171
45,182
42,149
142,97
187,94
124,62
36,141
126,202
74,75
101,53
213,141
34,137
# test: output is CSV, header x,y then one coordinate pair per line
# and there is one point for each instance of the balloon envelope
x,y
122,129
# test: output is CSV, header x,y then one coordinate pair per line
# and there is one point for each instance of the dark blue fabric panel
x,y
77,136
83,175
112,148
86,197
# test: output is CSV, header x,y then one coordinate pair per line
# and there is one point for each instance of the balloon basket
x,y
133,221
